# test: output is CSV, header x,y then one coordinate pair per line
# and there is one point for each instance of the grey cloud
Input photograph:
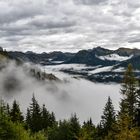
x,y
133,4
134,40
67,25
89,2
16,12
14,39
45,23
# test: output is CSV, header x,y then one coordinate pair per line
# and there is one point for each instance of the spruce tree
x,y
2,107
125,126
87,131
74,127
128,91
108,118
15,113
45,118
52,119
33,117
28,118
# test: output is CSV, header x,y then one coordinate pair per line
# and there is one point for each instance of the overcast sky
x,y
69,25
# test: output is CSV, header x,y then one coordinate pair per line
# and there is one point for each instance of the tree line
x,y
41,124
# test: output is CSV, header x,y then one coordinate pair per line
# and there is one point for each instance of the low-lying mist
x,y
79,96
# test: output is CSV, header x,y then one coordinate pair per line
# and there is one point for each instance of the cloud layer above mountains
x,y
69,25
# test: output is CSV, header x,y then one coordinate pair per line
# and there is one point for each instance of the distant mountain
x,y
98,64
135,61
127,52
90,57
43,58
93,57
101,51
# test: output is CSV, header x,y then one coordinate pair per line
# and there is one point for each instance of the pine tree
x,y
128,91
52,119
87,131
45,115
2,107
15,113
33,117
28,118
125,126
108,118
75,127
66,130
124,129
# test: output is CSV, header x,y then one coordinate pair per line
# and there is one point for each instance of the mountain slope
x,y
135,61
7,60
90,57
97,64
127,52
43,58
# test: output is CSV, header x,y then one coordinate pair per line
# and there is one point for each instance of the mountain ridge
x,y
100,64
88,57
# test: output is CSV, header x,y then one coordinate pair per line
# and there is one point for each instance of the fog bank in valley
x,y
79,96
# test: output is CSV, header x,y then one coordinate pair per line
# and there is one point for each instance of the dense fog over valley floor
x,y
86,99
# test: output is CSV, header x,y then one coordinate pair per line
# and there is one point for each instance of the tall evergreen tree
x,y
33,117
128,91
45,117
48,120
125,126
108,117
75,127
15,113
66,130
28,118
4,109
52,119
87,131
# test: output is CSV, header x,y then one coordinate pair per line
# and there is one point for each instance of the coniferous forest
x,y
40,124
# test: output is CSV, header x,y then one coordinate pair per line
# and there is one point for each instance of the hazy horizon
x,y
64,51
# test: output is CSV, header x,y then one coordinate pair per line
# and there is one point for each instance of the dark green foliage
x,y
128,91
88,131
66,130
15,113
108,118
75,126
47,119
3,109
125,127
13,129
33,117
61,132
39,118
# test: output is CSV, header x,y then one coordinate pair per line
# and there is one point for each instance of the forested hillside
x,y
40,124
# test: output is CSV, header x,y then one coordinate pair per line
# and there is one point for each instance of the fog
x,y
71,95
